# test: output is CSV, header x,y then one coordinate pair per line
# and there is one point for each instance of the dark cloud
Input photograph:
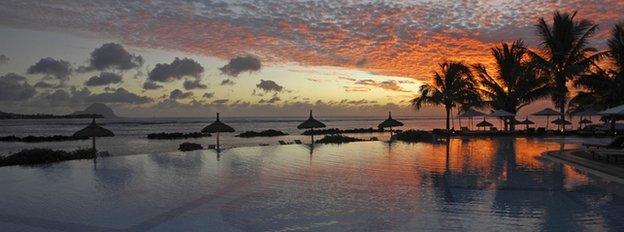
x,y
241,64
274,99
13,87
120,95
178,69
220,101
178,94
113,56
43,85
4,59
228,82
268,85
193,84
208,95
50,67
150,85
105,78
390,85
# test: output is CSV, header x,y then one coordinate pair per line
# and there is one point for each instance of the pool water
x,y
474,184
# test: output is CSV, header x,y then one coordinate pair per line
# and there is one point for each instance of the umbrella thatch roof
x,y
310,123
390,122
526,121
501,113
217,126
546,112
93,130
560,121
585,121
470,113
618,110
484,124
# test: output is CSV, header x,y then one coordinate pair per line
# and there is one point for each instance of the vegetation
x,y
186,146
41,156
37,139
345,131
414,136
516,82
266,133
453,86
338,139
177,135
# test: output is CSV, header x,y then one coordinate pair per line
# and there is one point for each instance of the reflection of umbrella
x,y
546,112
311,123
470,113
526,122
390,122
561,122
93,130
217,127
501,114
484,124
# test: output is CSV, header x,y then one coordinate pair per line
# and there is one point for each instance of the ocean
x,y
131,133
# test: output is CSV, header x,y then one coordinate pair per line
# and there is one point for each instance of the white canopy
x,y
618,110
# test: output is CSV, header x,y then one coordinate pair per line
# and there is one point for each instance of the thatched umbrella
x,y
546,112
217,127
311,123
526,122
93,130
390,122
470,113
484,124
561,123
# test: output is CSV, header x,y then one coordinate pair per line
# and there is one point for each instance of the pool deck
x,y
579,159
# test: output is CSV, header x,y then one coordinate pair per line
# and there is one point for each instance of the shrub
x,y
414,136
344,131
41,156
186,146
37,139
338,139
266,133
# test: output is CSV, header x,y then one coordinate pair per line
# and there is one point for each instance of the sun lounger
x,y
212,146
374,139
611,151
298,141
281,142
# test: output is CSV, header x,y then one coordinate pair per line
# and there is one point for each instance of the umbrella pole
x,y
547,120
93,147
217,141
312,136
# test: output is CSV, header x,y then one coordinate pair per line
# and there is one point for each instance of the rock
x,y
190,146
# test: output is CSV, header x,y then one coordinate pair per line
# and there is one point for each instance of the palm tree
x,y
566,52
603,88
516,83
453,86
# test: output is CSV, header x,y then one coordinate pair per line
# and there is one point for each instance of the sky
x,y
254,58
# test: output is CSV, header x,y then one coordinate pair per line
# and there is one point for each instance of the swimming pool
x,y
471,184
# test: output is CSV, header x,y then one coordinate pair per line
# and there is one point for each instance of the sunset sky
x,y
267,58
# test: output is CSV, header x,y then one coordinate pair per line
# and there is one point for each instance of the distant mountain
x,y
99,109
4,115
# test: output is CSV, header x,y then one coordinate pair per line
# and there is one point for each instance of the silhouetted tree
x,y
453,86
515,83
566,52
